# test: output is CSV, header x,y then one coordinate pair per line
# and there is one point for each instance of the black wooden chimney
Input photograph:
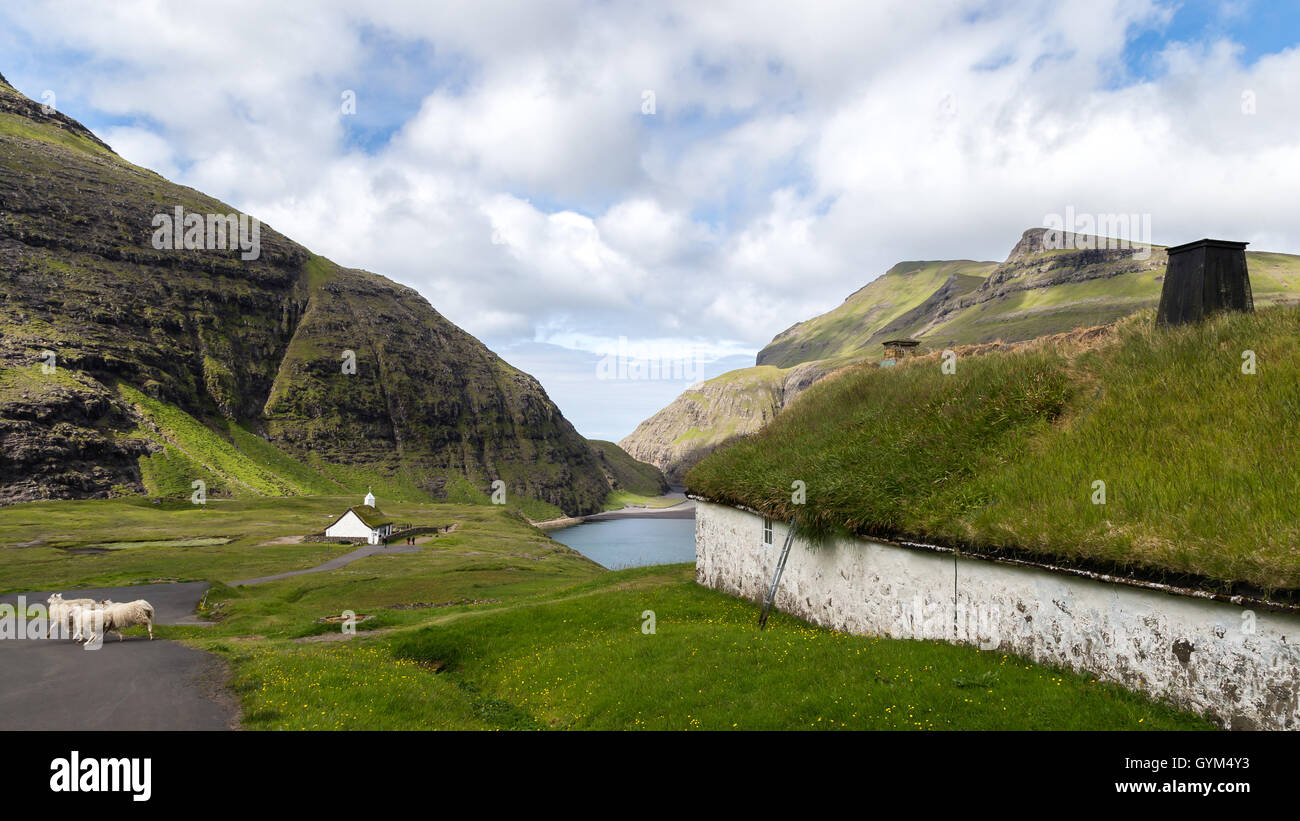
x,y
1202,278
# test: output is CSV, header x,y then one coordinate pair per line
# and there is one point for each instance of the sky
x,y
668,185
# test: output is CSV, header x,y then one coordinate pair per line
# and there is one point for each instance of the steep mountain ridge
x,y
856,322
245,347
710,413
1036,291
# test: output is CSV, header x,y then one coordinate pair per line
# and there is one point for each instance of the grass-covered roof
x,y
1200,459
371,516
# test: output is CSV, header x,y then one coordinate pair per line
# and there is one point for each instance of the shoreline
x,y
685,509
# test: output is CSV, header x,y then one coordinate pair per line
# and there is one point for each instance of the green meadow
x,y
580,657
496,626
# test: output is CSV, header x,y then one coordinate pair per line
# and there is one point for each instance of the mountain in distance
x,y
125,369
1035,292
627,474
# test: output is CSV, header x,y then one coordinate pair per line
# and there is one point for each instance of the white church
x,y
363,521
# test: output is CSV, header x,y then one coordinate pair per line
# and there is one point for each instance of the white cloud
x,y
145,148
796,151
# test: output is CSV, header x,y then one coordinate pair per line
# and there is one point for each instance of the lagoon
x,y
632,542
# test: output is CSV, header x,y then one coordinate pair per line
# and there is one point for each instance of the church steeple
x,y
370,498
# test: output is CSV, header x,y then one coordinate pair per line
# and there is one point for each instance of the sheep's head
x,y
55,598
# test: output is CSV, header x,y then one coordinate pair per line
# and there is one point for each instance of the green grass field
x,y
1199,460
619,499
496,626
39,538
579,659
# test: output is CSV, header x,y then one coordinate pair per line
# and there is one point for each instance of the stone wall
x,y
1236,665
401,535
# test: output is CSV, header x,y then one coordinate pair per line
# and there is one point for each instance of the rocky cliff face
x,y
1032,265
260,343
711,413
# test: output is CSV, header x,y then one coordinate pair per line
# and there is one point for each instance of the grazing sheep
x,y
60,611
128,614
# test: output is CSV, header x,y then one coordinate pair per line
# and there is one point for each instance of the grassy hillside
x,y
1198,458
626,473
851,327
191,445
236,462
183,364
706,415
1035,292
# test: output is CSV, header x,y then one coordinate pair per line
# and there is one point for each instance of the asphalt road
x,y
136,684
172,603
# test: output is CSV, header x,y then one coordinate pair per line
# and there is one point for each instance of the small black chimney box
x,y
1202,278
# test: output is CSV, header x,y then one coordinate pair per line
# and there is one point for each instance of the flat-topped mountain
x,y
1038,290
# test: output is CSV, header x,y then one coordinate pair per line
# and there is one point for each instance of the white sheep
x,y
59,611
84,619
115,616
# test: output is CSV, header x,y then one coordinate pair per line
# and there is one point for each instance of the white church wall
x,y
349,527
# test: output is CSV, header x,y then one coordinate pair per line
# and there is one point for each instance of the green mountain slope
x,y
628,474
710,413
865,314
249,352
1035,292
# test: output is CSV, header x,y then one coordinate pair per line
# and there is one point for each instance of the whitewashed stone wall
x,y
1239,667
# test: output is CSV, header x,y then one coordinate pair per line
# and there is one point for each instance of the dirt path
x,y
335,563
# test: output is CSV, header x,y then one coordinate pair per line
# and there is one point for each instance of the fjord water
x,y
633,542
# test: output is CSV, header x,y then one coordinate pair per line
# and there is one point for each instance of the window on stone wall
x,y
767,530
